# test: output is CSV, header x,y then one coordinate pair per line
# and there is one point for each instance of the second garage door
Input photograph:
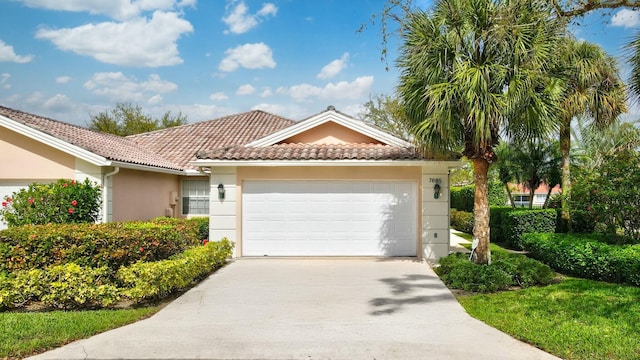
x,y
329,218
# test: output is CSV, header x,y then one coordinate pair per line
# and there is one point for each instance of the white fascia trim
x,y
324,117
214,163
125,165
54,142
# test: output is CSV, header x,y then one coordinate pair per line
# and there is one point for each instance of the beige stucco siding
x,y
24,158
368,173
331,133
141,195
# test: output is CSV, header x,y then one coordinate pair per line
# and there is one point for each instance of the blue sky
x,y
67,59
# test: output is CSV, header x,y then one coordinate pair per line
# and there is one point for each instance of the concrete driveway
x,y
309,309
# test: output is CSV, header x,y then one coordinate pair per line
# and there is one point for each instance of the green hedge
x,y
72,286
508,225
506,270
462,197
95,245
157,279
461,221
586,257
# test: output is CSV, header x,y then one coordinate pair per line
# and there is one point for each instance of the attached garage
x,y
329,218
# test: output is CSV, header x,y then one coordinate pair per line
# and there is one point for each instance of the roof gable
x,y
311,130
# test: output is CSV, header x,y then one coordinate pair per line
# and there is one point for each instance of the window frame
x,y
202,190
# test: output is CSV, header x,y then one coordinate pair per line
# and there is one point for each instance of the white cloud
x,y
249,56
8,54
333,68
118,87
270,108
218,96
245,89
240,22
138,42
356,89
59,103
155,100
266,92
120,9
626,18
4,81
63,79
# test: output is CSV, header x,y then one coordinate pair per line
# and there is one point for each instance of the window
x,y
195,197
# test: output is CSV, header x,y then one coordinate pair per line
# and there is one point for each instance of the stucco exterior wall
x,y
331,133
141,195
24,158
435,213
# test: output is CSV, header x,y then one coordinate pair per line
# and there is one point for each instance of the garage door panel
x,y
325,218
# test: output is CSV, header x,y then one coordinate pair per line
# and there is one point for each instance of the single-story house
x,y
329,185
521,194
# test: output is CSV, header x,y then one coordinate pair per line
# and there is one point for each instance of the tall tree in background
x,y
474,69
387,113
128,119
595,91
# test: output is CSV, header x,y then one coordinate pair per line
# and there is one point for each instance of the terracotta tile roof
x,y
542,189
109,146
180,144
312,152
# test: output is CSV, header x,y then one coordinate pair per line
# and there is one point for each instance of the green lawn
x,y
575,319
27,333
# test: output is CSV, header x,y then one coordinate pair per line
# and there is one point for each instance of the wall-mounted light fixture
x,y
436,191
221,192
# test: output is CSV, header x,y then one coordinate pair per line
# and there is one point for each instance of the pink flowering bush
x,y
62,202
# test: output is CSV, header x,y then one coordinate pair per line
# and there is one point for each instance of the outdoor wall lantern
x,y
221,192
436,191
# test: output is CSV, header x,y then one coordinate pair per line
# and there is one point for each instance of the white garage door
x,y
328,218
6,189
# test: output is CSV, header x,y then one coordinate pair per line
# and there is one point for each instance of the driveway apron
x,y
308,309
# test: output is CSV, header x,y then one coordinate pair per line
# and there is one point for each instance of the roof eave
x,y
54,142
224,163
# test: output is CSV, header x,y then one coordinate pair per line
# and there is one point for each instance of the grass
x,y
27,333
574,319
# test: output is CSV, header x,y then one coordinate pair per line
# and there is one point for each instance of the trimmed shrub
x,y
462,197
71,286
68,286
157,279
459,273
63,202
506,270
508,225
203,227
497,221
586,257
461,221
94,245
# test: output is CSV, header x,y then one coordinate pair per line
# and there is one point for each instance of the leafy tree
x,y
594,91
474,69
128,119
387,113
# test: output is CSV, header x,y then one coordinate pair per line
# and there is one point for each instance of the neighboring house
x,y
329,185
521,195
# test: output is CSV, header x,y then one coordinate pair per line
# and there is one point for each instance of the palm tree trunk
x,y
546,200
565,147
532,193
481,212
513,205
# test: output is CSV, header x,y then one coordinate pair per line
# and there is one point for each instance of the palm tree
x,y
593,90
472,69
